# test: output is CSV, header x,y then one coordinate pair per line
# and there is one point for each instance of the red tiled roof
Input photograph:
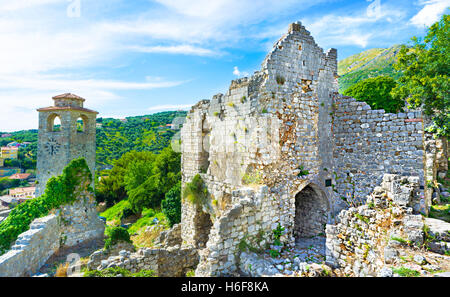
x,y
56,108
69,96
20,176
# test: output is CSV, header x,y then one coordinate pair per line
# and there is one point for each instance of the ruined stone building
x,y
284,147
72,138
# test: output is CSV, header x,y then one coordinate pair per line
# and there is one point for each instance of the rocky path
x,y
83,250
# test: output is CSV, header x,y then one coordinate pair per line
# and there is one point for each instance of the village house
x,y
27,192
21,176
9,152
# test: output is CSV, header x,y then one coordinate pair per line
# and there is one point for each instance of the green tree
x,y
111,186
147,183
424,79
171,206
377,93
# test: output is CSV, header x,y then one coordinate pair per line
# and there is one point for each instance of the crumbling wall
x,y
165,262
32,248
367,238
369,143
70,225
271,131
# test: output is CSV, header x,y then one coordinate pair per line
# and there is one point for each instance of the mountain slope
x,y
370,63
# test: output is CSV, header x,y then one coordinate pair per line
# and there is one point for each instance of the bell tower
x,y
66,132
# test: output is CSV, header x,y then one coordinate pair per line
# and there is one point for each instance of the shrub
x,y
376,92
171,206
115,235
302,172
64,189
402,271
280,80
127,212
196,191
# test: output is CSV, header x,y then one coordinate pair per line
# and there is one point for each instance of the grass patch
x,y
116,212
148,215
401,240
440,212
406,272
113,272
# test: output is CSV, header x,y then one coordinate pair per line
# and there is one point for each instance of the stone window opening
x,y
311,213
54,123
81,124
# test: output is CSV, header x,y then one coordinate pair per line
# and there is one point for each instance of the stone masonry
x,y
368,239
56,148
283,148
67,226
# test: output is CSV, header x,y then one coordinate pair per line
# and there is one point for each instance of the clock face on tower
x,y
52,146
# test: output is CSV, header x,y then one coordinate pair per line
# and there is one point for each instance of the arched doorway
x,y
311,213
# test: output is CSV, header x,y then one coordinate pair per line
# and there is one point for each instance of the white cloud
x,y
8,5
430,13
59,84
175,49
354,28
237,72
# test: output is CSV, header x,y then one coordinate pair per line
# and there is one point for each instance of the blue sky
x,y
143,56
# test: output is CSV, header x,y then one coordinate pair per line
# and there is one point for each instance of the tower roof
x,y
69,96
74,108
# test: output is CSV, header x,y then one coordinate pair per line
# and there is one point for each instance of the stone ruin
x,y
284,148
67,226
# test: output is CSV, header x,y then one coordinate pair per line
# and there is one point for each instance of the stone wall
x,y
368,238
80,221
269,134
282,147
32,248
165,262
68,226
369,143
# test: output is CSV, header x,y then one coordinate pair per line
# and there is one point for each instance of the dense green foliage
x,y
171,206
60,190
114,138
143,177
196,191
425,70
143,133
115,235
377,93
371,63
118,211
148,182
6,183
116,271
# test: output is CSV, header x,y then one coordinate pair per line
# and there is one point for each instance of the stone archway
x,y
311,213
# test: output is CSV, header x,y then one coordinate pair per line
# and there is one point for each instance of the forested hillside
x,y
114,138
143,133
370,63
